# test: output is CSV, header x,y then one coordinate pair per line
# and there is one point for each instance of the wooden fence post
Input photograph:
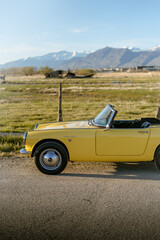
x,y
4,79
158,112
60,104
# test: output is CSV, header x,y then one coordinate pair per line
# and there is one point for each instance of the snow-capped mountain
x,y
115,57
51,59
62,55
157,48
102,58
134,49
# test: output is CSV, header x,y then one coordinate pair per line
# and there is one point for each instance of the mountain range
x,y
102,58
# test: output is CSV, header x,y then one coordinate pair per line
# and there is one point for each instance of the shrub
x,y
28,71
19,71
48,72
10,143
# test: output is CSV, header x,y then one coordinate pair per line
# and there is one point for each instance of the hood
x,y
64,125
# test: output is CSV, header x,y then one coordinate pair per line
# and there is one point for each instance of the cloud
x,y
78,30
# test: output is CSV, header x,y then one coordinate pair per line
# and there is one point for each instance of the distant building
x,y
55,74
70,74
58,74
148,68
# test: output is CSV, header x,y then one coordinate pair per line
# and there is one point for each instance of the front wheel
x,y
157,158
51,158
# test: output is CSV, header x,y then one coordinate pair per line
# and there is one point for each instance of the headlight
x,y
24,138
35,127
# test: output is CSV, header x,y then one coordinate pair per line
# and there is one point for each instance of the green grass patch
x,y
26,101
10,143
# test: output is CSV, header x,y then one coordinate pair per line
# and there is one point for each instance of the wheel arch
x,y
48,140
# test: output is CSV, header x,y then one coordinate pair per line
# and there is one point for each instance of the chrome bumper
x,y
23,151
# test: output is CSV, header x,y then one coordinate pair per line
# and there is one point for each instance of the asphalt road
x,y
87,201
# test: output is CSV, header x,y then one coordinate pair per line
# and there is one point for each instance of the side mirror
x,y
107,127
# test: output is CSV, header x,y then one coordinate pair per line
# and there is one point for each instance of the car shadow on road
x,y
141,171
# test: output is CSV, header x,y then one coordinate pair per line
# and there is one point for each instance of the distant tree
x,y
19,71
48,72
28,71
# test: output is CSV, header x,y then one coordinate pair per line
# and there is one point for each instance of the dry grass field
x,y
25,101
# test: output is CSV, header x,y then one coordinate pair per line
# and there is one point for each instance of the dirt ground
x,y
86,201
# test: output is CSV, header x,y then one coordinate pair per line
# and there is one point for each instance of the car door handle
x,y
143,132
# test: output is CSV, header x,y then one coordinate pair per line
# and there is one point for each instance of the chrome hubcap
x,y
50,159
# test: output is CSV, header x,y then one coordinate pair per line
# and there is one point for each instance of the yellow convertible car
x,y
100,139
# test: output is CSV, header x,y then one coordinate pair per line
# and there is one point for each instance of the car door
x,y
121,142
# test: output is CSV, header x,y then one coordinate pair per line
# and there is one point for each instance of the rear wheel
x,y
51,158
157,158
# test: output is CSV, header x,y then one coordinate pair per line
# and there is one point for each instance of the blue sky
x,y
37,27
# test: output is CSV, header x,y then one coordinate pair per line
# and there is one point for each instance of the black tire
x,y
157,158
51,158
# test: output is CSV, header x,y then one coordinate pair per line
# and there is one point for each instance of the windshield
x,y
103,118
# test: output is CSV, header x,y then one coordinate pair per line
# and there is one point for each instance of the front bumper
x,y
23,151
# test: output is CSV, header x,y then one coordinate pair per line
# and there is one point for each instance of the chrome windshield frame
x,y
114,112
